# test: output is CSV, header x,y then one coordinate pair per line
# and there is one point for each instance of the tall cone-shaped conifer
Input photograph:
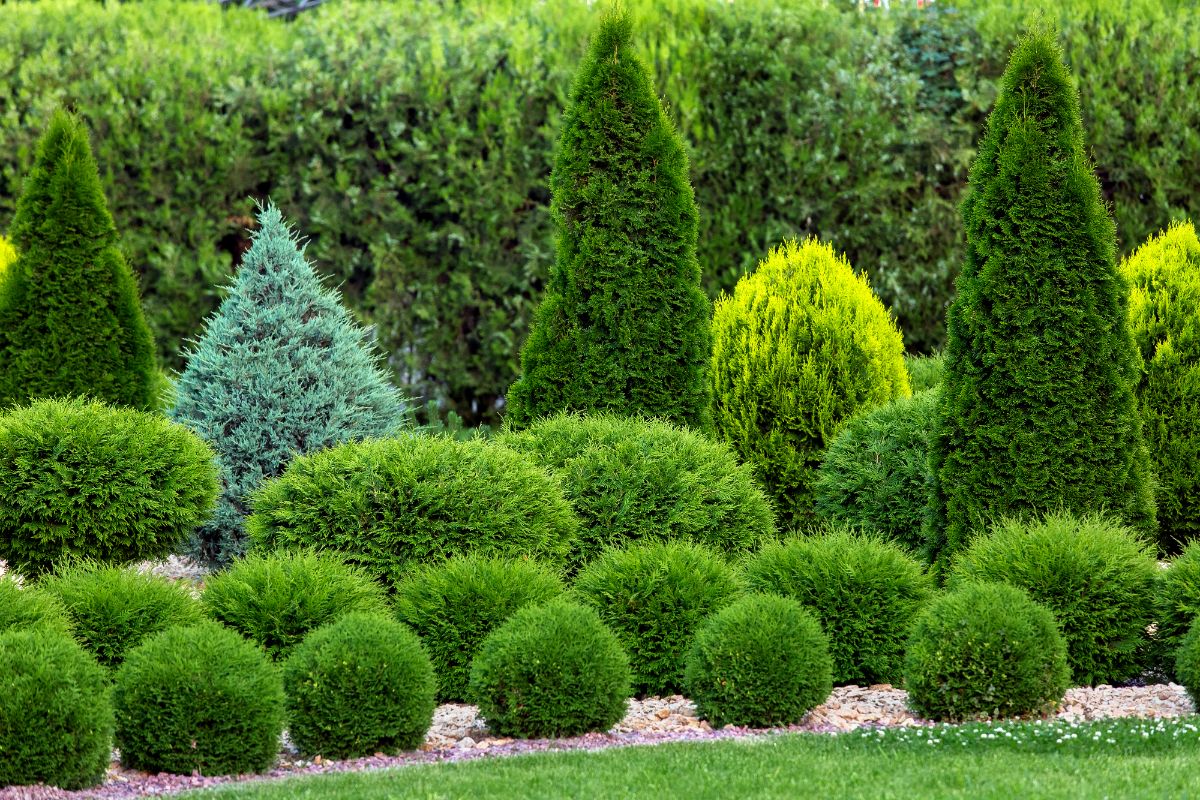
x,y
624,325
1037,412
71,322
281,370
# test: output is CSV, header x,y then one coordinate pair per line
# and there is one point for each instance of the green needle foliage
x,y
281,370
71,323
624,325
1037,412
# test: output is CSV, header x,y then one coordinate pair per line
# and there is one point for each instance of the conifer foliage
x,y
71,322
281,370
624,325
1037,412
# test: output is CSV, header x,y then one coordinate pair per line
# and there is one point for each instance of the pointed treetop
x,y
1037,88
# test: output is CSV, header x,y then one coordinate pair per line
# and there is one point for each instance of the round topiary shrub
x,y
1187,663
653,596
1164,318
391,504
551,670
275,599
1178,598
864,591
635,479
1095,576
875,476
27,607
358,686
8,254
198,699
800,347
112,609
78,478
760,662
455,605
56,720
985,651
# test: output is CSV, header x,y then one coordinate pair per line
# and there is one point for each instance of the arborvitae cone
x,y
624,325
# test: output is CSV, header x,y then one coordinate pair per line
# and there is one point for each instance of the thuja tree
x,y
1037,411
281,369
624,325
71,322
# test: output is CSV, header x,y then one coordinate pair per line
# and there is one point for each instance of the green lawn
x,y
1009,762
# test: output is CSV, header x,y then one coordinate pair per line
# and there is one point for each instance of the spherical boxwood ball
x,y
552,670
392,504
985,651
1178,598
455,605
25,607
113,608
198,699
864,591
56,720
358,686
1187,663
78,478
1095,576
275,599
653,596
760,662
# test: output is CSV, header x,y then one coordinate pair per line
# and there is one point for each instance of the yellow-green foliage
x,y
1164,318
7,254
801,345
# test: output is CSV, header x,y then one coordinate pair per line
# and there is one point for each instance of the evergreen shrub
x,y
71,322
985,651
800,347
275,599
392,504
56,720
79,478
654,595
624,324
875,475
198,698
864,591
551,670
28,608
635,479
1178,597
454,605
359,686
1164,318
8,254
760,662
1095,576
281,369
924,371
1037,412
112,609
1187,663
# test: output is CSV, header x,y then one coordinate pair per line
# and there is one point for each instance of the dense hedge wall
x,y
416,139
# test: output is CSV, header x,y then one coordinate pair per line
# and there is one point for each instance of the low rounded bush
x,y
358,686
1187,663
78,478
28,607
112,608
985,651
864,591
636,479
455,605
761,662
198,698
8,254
653,596
801,346
1178,598
1095,576
391,504
875,476
56,720
925,371
551,670
275,599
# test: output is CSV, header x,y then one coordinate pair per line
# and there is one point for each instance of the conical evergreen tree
x,y
281,370
71,322
1037,412
624,325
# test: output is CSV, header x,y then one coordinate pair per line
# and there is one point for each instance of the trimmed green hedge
x,y
415,140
